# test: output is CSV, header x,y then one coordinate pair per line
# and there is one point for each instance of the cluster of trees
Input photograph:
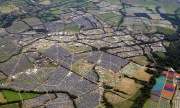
x,y
145,94
172,58
146,90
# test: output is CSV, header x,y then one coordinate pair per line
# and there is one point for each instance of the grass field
x,y
2,99
87,4
125,104
30,19
138,93
78,67
14,96
14,105
146,105
169,5
113,98
166,43
18,27
106,16
142,75
168,10
165,30
140,60
46,2
111,18
74,49
72,28
160,54
127,85
130,68
6,9
55,1
114,1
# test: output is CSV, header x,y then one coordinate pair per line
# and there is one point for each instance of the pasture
x,y
2,99
6,9
55,1
18,27
124,104
146,105
142,75
80,67
87,4
14,105
129,1
166,43
168,5
30,19
75,49
111,18
105,73
160,54
133,97
72,28
114,1
113,98
15,96
140,60
45,2
106,16
130,68
127,85
165,30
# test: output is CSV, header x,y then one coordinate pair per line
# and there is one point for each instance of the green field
x,y
14,96
168,5
74,49
111,18
15,105
87,4
56,1
178,12
165,30
140,60
138,93
130,68
168,10
160,54
6,9
18,27
106,16
72,28
30,19
146,105
57,10
166,43
114,1
125,104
